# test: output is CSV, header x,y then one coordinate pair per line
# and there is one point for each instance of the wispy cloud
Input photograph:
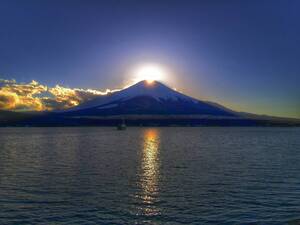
x,y
38,97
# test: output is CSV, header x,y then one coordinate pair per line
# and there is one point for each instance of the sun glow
x,y
150,73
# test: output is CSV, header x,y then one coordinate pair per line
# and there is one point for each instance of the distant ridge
x,y
144,104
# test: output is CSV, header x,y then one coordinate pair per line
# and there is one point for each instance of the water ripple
x,y
150,176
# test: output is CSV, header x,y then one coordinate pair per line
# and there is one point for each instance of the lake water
x,y
150,176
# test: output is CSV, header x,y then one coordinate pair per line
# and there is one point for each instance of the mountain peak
x,y
153,89
148,84
149,97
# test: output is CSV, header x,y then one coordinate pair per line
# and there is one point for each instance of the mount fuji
x,y
145,98
144,104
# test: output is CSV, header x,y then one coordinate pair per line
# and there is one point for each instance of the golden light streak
x,y
150,172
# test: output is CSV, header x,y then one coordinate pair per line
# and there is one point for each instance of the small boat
x,y
122,126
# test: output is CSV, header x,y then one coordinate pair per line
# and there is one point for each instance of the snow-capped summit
x,y
148,98
153,89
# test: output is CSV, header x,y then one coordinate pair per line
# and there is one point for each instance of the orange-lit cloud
x,y
37,97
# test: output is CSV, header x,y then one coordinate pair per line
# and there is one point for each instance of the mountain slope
x,y
148,99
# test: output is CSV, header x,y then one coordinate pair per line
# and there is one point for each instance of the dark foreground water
x,y
150,176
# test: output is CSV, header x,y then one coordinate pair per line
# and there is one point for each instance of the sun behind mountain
x,y
149,81
149,73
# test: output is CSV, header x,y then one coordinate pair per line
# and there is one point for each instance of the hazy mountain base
x,y
8,118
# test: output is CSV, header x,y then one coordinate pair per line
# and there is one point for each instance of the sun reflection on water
x,y
150,172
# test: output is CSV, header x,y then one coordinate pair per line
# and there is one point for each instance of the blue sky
x,y
243,54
